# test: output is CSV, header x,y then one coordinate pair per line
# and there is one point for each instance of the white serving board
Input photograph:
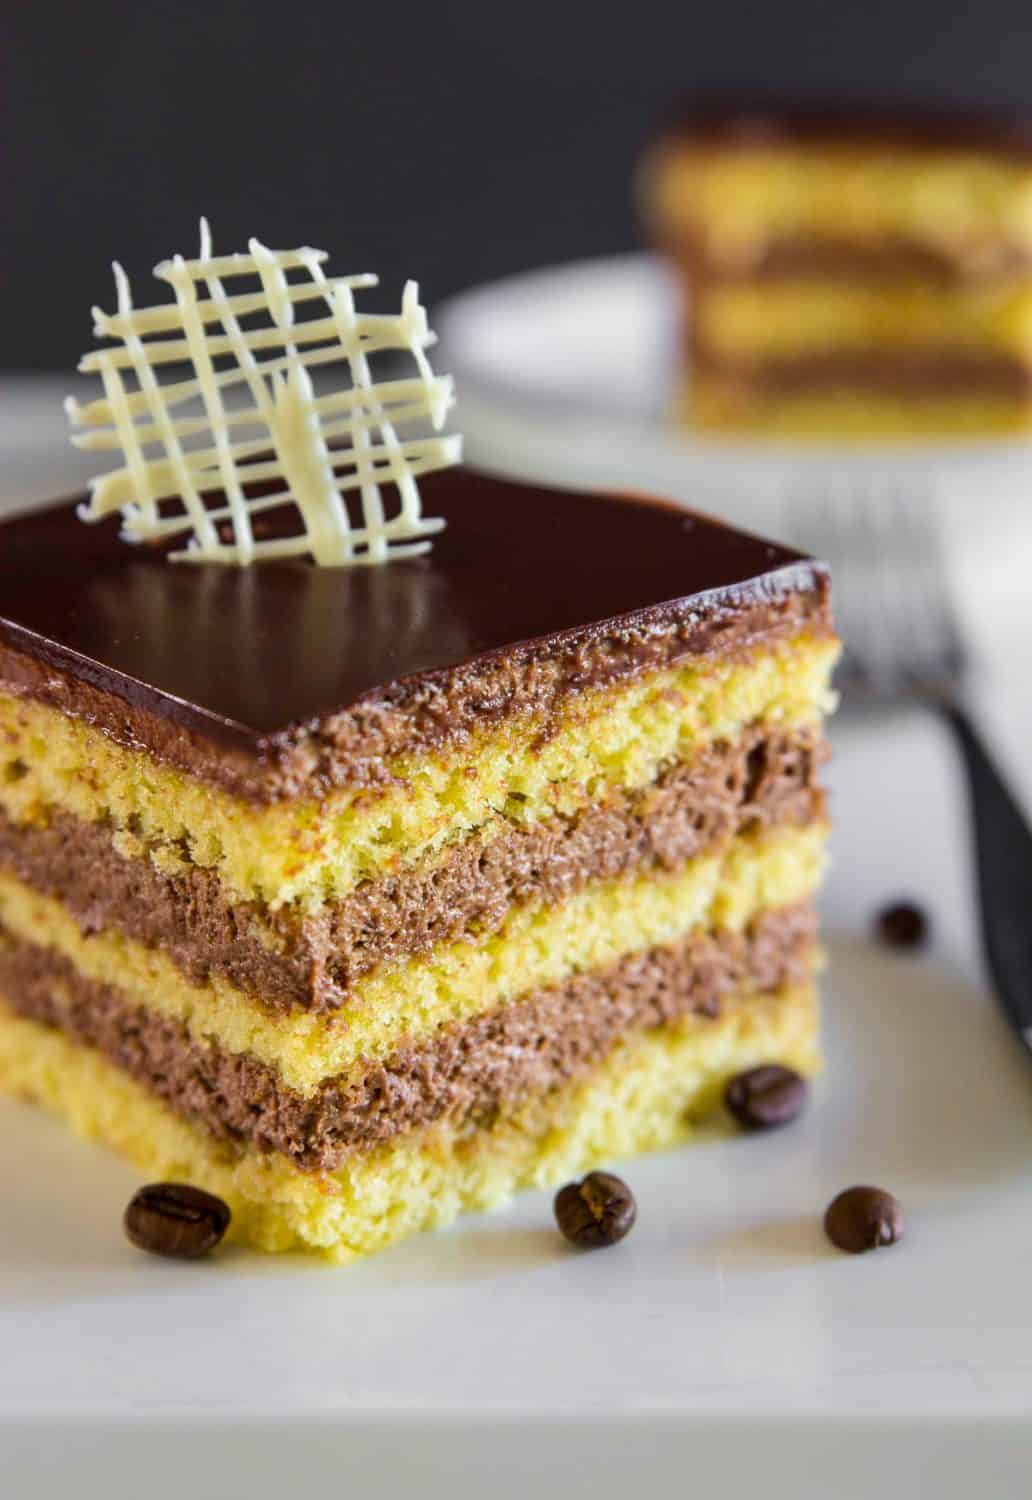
x,y
722,1336
723,1345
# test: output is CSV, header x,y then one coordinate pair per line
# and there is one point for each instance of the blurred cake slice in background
x,y
848,273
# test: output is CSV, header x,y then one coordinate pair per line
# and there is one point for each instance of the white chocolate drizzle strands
x,y
253,419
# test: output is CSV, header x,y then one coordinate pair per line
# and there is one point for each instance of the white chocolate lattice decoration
x,y
247,415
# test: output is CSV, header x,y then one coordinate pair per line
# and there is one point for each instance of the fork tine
x,y
921,617
890,585
904,614
830,524
931,591
869,543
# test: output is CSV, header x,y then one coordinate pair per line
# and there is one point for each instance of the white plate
x,y
723,1343
564,376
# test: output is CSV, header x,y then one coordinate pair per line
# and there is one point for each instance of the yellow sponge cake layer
x,y
536,947
647,1096
855,413
312,852
807,317
736,202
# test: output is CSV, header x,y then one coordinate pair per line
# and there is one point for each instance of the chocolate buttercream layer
x,y
285,680
934,372
287,960
475,1071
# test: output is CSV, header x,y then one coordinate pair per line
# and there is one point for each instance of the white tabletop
x,y
724,1344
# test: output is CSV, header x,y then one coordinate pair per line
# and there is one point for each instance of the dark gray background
x,y
451,141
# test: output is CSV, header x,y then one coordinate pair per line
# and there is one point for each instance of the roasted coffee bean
x,y
765,1097
863,1218
902,925
598,1211
172,1218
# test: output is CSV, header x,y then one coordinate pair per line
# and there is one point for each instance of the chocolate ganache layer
x,y
284,679
754,121
284,959
474,1071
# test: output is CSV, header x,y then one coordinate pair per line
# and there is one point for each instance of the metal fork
x,y
903,644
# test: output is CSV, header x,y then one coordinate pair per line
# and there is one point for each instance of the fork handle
x,y
1003,864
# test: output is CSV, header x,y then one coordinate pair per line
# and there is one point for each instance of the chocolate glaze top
x,y
245,659
752,120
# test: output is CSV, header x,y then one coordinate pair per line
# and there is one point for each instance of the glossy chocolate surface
x,y
245,654
751,120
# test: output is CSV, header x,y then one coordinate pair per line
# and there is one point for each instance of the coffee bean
x,y
902,925
171,1218
863,1218
595,1212
765,1097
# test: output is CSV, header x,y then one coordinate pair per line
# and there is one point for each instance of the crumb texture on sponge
x,y
647,1096
313,853
289,960
537,947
